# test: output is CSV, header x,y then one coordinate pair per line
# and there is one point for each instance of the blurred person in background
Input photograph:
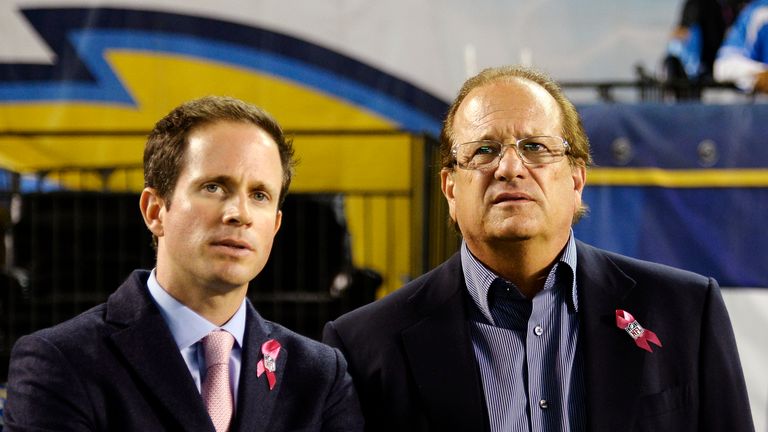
x,y
527,328
743,57
694,42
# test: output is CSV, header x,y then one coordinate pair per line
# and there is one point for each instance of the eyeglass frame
x,y
516,145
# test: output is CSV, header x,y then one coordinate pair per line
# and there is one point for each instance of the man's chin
x,y
516,228
225,282
513,237
236,270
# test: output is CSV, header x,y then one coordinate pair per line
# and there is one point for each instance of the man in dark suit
x,y
180,347
525,328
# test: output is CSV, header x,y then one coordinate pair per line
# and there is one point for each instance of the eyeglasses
x,y
534,150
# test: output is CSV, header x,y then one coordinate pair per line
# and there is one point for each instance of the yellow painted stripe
x,y
690,178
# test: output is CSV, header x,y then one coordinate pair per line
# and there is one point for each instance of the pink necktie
x,y
216,392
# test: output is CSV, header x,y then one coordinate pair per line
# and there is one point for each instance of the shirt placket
x,y
543,394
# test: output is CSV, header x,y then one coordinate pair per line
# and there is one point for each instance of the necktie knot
x,y
217,346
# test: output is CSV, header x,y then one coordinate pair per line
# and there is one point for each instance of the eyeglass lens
x,y
533,150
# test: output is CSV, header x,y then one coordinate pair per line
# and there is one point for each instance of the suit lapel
x,y
440,353
148,348
613,364
256,402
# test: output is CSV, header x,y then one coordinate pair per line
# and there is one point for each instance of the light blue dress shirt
x,y
188,328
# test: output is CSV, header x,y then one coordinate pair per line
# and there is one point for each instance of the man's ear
x,y
278,220
579,175
152,210
446,184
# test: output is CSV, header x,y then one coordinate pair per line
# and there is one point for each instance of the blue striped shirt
x,y
527,349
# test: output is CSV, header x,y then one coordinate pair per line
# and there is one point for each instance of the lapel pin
x,y
270,350
628,323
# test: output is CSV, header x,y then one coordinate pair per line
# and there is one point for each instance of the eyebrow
x,y
493,136
229,180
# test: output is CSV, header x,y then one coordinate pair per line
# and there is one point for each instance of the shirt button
x,y
543,404
539,330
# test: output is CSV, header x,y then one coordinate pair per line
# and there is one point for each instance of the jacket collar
x,y
439,350
146,343
256,402
613,366
439,346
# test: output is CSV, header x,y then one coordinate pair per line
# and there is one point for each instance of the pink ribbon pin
x,y
270,349
625,321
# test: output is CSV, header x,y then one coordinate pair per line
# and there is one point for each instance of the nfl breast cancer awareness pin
x,y
270,349
628,323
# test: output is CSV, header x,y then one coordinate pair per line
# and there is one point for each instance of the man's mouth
x,y
234,243
512,197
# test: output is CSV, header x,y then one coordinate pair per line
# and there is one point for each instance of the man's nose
x,y
237,210
510,164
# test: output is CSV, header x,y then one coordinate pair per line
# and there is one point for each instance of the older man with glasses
x,y
526,328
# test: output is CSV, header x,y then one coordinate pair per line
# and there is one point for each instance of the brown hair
x,y
572,131
167,143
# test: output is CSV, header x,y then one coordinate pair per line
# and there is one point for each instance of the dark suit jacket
x,y
117,368
411,357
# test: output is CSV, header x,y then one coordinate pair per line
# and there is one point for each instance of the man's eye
x,y
211,187
485,150
534,147
260,196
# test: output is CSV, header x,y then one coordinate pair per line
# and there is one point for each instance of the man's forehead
x,y
226,147
506,93
509,99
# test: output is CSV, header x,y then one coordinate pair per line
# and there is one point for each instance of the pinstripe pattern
x,y
527,350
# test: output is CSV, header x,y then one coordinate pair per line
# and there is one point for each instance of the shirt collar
x,y
479,278
186,325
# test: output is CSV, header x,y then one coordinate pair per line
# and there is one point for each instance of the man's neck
x,y
215,305
525,263
216,309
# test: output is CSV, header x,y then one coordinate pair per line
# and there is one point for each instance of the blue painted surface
x,y
718,232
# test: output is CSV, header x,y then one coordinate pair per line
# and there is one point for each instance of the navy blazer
x,y
116,367
411,356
